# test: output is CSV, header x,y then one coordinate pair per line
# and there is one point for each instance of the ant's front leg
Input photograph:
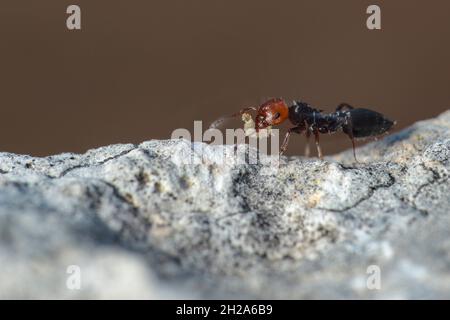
x,y
344,106
297,129
218,122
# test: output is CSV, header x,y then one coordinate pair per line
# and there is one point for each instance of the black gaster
x,y
367,123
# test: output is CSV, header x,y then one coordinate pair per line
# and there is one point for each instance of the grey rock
x,y
141,222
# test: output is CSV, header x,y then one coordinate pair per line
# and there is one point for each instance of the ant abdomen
x,y
367,123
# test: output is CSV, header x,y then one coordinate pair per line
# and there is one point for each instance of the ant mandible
x,y
354,122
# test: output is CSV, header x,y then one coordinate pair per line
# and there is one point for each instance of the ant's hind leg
x,y
349,131
307,146
353,146
319,150
344,106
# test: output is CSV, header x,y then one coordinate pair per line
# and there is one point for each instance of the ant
x,y
354,122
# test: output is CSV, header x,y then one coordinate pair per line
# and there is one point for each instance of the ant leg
x,y
307,146
344,106
219,121
319,150
349,131
287,136
353,145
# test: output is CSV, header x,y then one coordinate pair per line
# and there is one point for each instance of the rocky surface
x,y
141,222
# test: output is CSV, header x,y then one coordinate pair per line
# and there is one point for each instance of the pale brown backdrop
x,y
139,69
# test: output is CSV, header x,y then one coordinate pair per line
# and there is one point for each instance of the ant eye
x,y
277,115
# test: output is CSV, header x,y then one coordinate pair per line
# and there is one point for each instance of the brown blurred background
x,y
139,69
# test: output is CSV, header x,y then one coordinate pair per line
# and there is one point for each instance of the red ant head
x,y
271,112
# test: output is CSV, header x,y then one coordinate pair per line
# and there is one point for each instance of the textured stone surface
x,y
141,223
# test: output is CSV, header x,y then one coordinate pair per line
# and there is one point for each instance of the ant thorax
x,y
249,128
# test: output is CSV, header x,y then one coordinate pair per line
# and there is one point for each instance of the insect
x,y
354,122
